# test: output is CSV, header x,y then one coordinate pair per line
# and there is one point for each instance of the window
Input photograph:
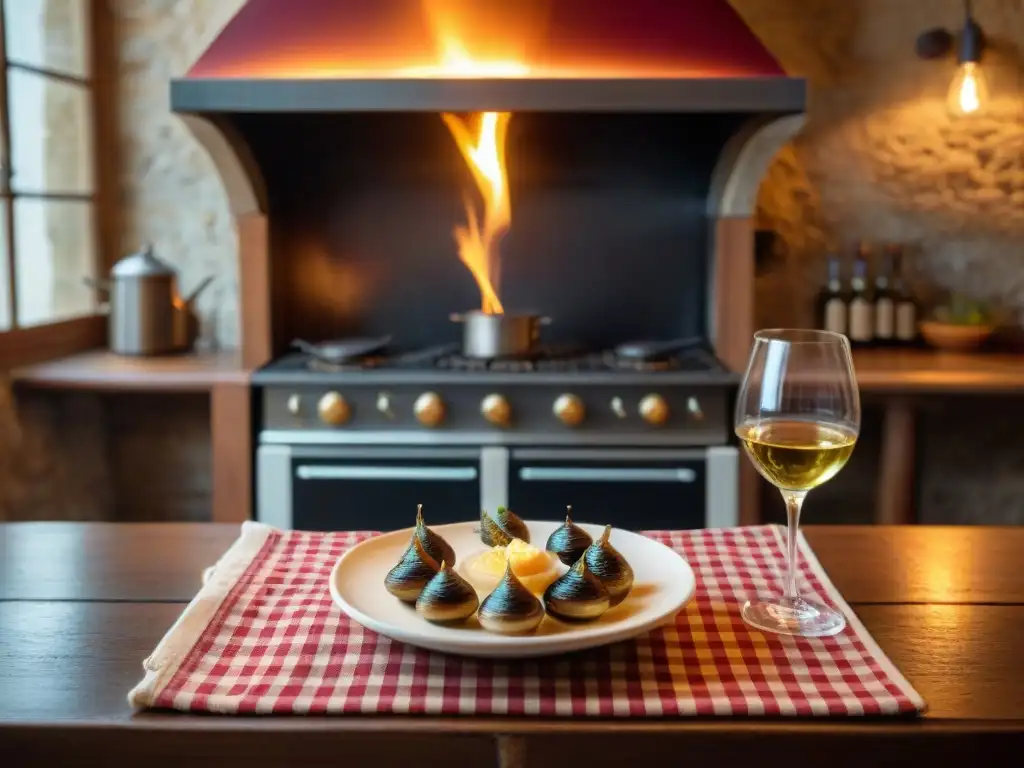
x,y
48,205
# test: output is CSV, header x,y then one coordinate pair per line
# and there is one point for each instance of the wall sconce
x,y
968,92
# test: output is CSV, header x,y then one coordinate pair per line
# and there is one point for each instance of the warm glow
x,y
484,152
970,101
456,62
443,39
968,92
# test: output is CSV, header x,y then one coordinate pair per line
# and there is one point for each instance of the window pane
x,y
51,134
54,248
5,293
51,34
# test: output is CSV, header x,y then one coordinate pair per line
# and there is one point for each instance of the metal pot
x,y
487,336
147,315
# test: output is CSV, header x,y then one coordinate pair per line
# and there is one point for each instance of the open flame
x,y
484,152
457,62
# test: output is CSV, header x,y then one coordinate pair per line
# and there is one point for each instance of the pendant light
x,y
968,92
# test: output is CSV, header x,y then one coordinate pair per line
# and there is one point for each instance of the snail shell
x,y
512,524
447,597
435,546
605,562
569,541
491,533
510,609
577,595
408,578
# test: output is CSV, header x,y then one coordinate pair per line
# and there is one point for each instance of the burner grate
x,y
548,360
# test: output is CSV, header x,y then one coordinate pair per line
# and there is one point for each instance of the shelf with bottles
x,y
875,307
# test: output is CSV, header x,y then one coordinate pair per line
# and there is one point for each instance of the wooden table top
x,y
923,371
81,605
104,371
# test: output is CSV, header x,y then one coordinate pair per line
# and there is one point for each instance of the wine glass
x,y
798,416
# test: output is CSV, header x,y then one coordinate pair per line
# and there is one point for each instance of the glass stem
x,y
794,502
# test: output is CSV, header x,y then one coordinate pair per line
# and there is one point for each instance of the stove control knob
x,y
654,410
569,409
429,409
333,409
294,405
694,409
496,410
618,407
384,405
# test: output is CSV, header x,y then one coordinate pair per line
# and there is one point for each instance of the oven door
x,y
327,489
628,488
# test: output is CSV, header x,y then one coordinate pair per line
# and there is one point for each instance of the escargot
x,y
577,595
408,578
435,546
512,524
605,562
447,597
510,609
569,541
491,533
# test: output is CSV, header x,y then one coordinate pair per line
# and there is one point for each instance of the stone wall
x,y
882,159
879,159
172,195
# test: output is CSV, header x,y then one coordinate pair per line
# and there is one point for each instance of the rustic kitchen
x,y
483,281
446,381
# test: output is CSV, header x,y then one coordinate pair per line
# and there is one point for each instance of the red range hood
x,y
518,55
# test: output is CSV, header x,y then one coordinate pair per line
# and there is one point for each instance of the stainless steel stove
x,y
637,441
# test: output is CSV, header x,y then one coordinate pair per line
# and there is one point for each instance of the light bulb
x,y
968,91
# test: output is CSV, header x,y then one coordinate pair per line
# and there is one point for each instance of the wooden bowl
x,y
953,337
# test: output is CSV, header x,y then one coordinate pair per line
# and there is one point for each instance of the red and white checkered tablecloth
x,y
263,636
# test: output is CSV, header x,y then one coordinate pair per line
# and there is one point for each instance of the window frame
x,y
22,345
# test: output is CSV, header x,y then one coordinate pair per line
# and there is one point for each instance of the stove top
x,y
558,395
447,359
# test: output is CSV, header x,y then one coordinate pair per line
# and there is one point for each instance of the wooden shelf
x,y
911,372
105,371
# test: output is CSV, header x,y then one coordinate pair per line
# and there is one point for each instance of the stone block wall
x,y
880,159
170,191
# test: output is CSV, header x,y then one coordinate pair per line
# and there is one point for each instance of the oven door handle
x,y
373,472
607,474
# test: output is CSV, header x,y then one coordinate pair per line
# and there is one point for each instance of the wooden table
x,y
81,605
900,378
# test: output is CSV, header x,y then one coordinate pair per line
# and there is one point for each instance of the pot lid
x,y
143,264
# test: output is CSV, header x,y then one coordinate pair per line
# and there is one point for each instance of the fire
x,y
481,140
456,62
484,152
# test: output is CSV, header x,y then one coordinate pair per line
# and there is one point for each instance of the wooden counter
x,y
105,371
920,372
944,604
220,375
901,378
896,376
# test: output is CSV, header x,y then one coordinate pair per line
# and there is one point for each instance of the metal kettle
x,y
147,315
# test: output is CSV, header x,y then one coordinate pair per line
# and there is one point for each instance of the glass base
x,y
793,616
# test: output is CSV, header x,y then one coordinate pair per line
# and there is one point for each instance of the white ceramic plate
x,y
663,584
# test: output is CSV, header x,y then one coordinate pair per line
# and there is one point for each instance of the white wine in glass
x,y
798,417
